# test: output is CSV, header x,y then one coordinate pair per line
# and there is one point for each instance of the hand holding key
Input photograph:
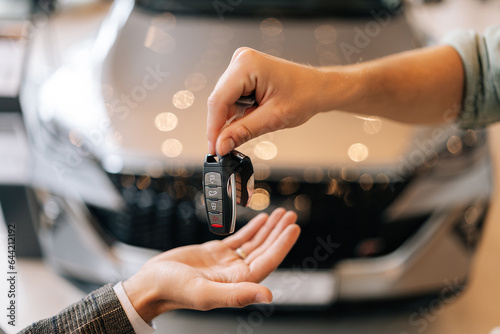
x,y
286,93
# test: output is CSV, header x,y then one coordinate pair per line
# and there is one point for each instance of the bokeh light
x,y
143,182
454,144
265,150
271,26
113,163
325,34
183,99
382,181
366,181
288,185
260,199
302,202
357,152
166,121
171,147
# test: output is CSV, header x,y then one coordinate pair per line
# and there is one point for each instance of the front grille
x,y
344,210
161,213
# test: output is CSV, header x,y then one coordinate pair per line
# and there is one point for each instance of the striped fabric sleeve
x,y
98,313
480,56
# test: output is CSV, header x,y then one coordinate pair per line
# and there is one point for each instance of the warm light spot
x,y
265,150
454,144
302,202
159,41
195,82
183,99
288,185
382,181
358,152
165,121
260,199
271,27
366,182
325,34
171,148
143,182
332,187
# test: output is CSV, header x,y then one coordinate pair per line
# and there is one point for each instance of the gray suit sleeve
x,y
480,56
98,313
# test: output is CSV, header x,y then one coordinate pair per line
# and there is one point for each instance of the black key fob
x,y
227,181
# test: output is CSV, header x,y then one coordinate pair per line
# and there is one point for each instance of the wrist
x,y
143,297
343,87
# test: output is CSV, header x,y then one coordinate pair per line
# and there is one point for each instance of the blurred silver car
x,y
118,132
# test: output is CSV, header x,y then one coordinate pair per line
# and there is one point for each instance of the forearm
x,y
419,86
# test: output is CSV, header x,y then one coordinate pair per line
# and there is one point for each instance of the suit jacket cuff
x,y
140,326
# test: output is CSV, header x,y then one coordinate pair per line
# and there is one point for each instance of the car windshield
x,y
271,7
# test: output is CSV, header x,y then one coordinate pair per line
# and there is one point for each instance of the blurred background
x,y
102,140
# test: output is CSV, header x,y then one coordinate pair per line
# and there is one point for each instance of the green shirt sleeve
x,y
480,56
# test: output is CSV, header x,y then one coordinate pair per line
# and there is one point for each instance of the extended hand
x,y
212,274
426,83
288,95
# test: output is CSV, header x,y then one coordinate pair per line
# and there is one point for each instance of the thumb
x,y
217,295
256,123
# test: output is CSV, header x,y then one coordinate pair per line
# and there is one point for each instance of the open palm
x,y
213,275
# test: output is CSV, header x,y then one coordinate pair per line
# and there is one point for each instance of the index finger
x,y
234,83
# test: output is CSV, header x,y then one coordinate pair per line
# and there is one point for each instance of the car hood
x,y
141,87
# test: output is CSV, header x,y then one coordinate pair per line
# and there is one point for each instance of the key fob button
x,y
213,193
215,219
213,179
214,206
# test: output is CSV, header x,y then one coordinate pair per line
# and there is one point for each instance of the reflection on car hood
x,y
149,95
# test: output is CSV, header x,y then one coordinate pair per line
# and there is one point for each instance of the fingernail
x,y
261,299
228,145
209,147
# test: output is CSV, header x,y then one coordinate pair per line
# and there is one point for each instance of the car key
x,y
227,181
